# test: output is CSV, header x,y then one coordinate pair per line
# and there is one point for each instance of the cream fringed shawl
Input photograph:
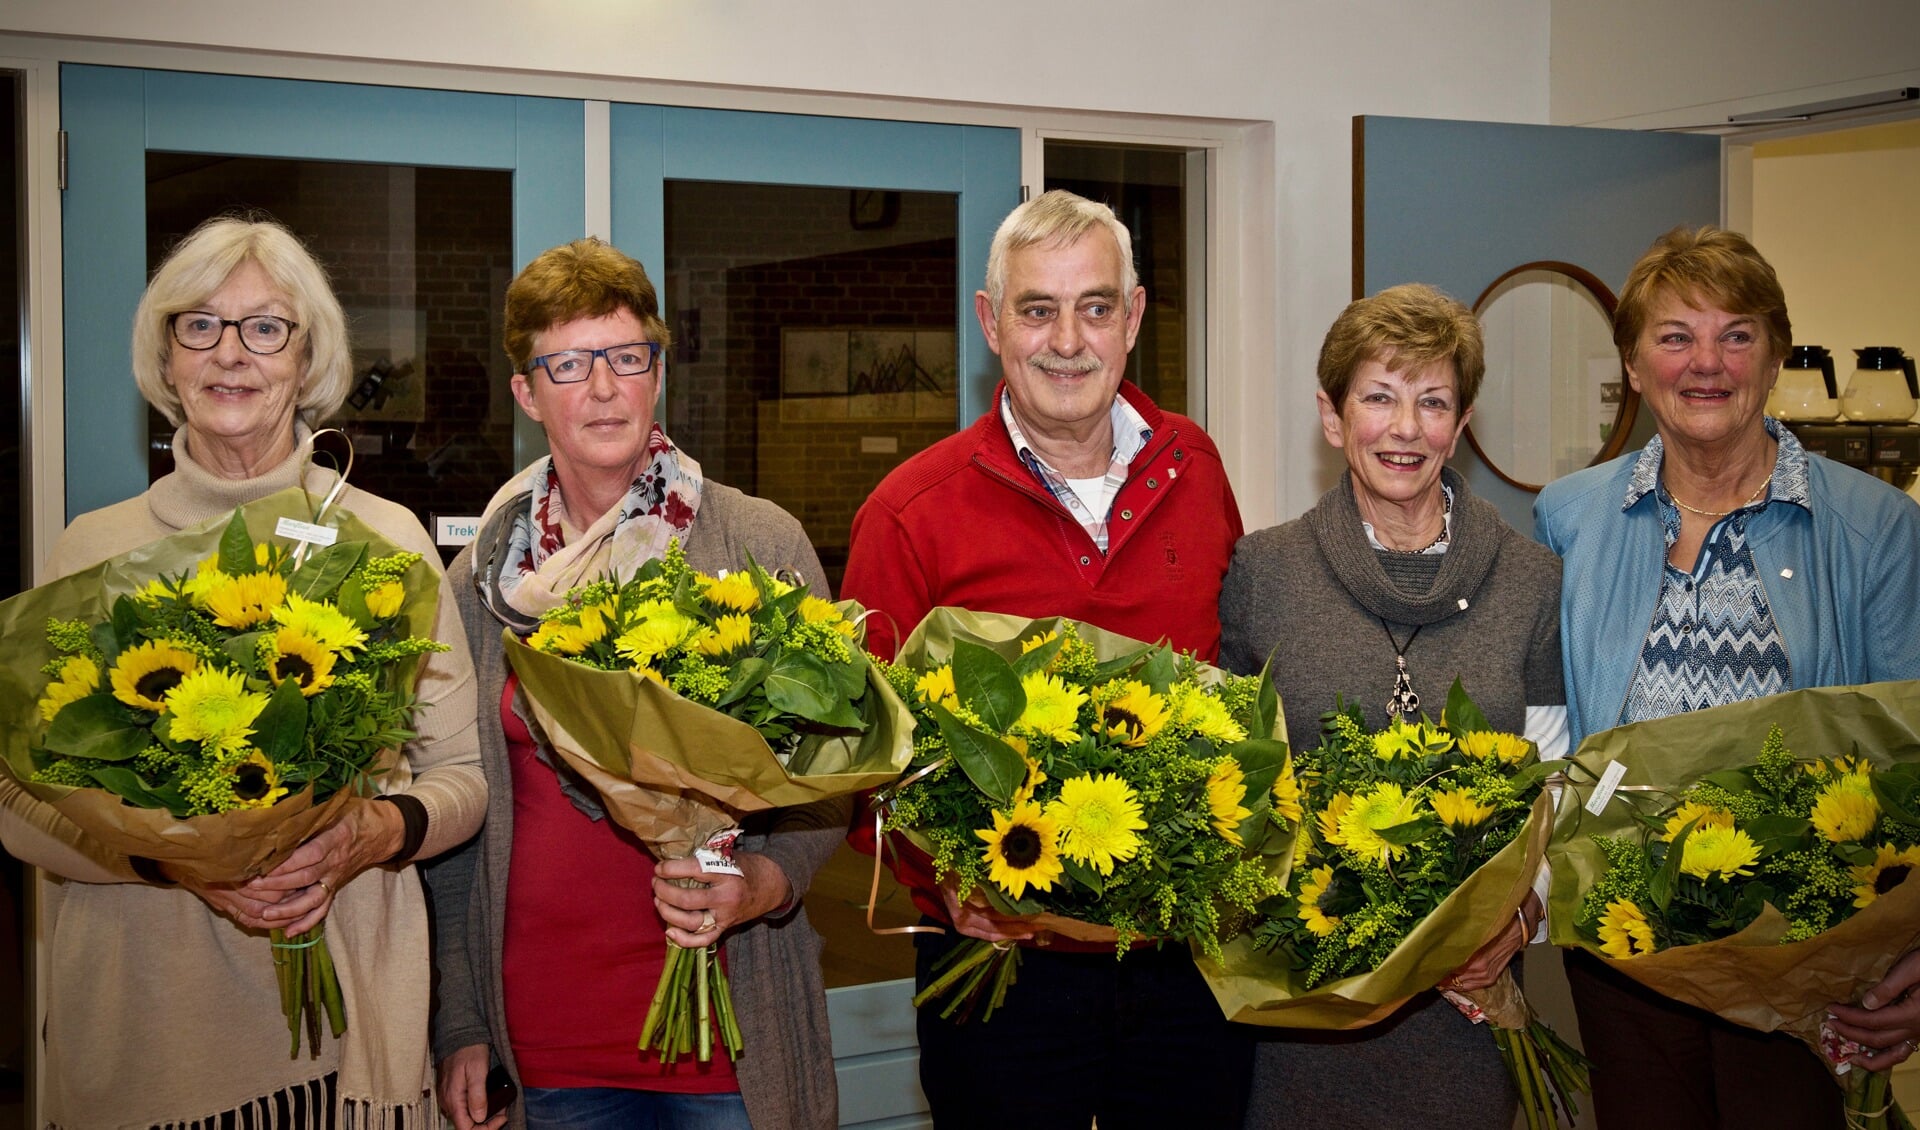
x,y
161,1012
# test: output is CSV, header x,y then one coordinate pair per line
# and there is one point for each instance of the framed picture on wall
x,y
867,372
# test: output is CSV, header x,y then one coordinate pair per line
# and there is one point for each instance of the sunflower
x,y
1687,813
214,705
385,599
303,659
733,591
79,677
1846,809
244,601
1410,740
813,610
1457,808
1318,921
1386,806
1023,849
1331,817
572,633
1053,708
936,686
144,673
1491,745
1286,793
1625,931
321,621
1716,851
729,637
256,782
1890,868
1829,766
1226,789
1204,714
1099,820
1134,714
657,628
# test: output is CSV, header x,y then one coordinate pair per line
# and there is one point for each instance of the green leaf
x,y
1261,760
1896,793
106,637
987,685
1859,855
325,568
800,683
1413,831
1119,665
1776,833
1662,882
747,674
124,782
127,620
851,676
282,726
352,601
1266,704
1732,780
1160,670
1461,715
1084,875
1039,657
1530,776
97,726
236,547
994,767
244,650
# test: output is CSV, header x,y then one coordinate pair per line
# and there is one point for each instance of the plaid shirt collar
x,y
1130,436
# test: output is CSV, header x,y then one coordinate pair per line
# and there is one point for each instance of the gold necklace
x,y
1719,513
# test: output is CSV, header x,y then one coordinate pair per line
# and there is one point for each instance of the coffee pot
x,y
1883,389
1806,391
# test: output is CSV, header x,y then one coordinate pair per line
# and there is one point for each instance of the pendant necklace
x,y
1404,703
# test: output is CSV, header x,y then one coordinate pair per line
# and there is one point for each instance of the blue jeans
x,y
616,1108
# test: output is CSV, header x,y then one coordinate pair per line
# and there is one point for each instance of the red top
x,y
584,947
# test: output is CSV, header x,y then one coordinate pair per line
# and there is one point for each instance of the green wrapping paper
x,y
1747,978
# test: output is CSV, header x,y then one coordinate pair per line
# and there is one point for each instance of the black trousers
x,y
1658,1063
1136,1042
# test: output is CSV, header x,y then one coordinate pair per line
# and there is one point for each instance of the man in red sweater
x,y
1072,495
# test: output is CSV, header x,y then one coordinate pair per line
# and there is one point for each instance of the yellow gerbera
x,y
1023,850
244,601
1098,818
79,677
1331,818
1625,931
1311,892
1457,808
303,659
1410,740
734,591
385,599
657,627
1286,793
1386,806
1226,789
1491,745
1053,708
729,638
1846,809
256,782
936,686
1717,851
321,621
1890,868
144,673
1205,715
1690,811
1134,714
214,705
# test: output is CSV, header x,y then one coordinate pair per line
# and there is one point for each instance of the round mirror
x,y
1555,398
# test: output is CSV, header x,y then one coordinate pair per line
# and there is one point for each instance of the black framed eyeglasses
x,y
569,366
265,334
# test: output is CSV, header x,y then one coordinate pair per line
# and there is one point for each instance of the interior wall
x,y
1306,67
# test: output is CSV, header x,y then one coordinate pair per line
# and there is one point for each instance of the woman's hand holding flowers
x,y
301,890
1887,1019
697,916
976,919
1484,967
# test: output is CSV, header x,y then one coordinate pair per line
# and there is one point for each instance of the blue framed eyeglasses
x,y
569,366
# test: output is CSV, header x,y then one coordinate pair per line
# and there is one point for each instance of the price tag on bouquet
x,y
716,855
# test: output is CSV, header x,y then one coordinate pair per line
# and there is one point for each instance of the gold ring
x,y
325,887
706,921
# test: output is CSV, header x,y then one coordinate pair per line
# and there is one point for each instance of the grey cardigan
x,y
786,1069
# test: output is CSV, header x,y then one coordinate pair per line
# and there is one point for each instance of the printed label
x,y
717,856
297,530
1603,792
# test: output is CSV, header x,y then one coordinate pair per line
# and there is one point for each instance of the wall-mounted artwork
x,y
867,373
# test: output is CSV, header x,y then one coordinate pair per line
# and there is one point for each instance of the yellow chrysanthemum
x,y
1457,808
1386,806
1690,811
813,610
144,673
244,601
1846,809
1890,868
1331,818
1402,739
1318,921
1625,931
735,591
1053,708
1226,790
79,677
1205,715
729,638
936,686
214,705
1023,850
1099,821
321,622
256,782
657,627
303,659
153,592
1491,745
1133,715
1719,852
1286,793
385,599
559,637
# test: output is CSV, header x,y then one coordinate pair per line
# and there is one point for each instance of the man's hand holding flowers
x,y
696,916
1489,961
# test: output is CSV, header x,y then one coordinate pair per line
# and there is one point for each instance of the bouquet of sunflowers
x,y
210,701
1751,860
690,701
1418,844
1114,792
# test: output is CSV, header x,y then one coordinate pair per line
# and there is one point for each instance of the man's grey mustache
x,y
1061,364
